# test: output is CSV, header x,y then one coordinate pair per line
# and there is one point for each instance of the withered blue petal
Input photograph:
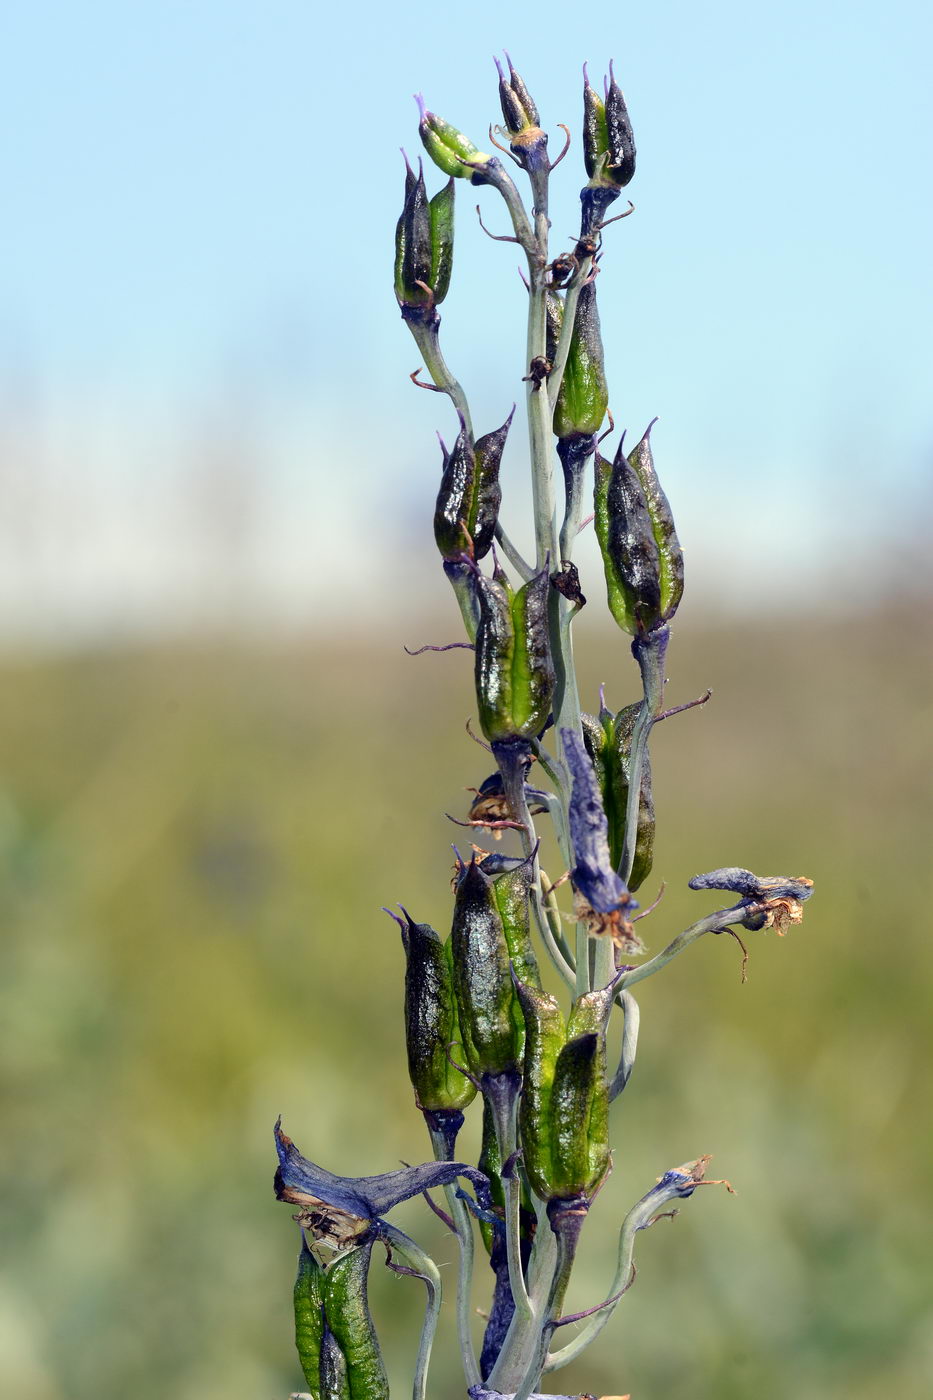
x,y
757,887
593,875
366,1197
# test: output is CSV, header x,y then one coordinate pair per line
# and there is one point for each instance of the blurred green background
x,y
195,844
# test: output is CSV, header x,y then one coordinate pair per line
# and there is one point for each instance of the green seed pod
x,y
583,397
347,1310
544,1039
511,893
442,240
518,109
579,1118
431,1021
482,978
626,540
450,150
595,133
469,497
608,741
309,1314
513,666
671,559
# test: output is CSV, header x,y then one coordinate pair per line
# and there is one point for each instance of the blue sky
x,y
196,264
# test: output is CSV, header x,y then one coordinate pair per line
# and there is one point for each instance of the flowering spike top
x,y
362,1198
608,142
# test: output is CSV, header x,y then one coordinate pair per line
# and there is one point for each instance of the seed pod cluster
x,y
528,142
641,554
469,496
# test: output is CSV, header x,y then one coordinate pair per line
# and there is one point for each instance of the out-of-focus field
x,y
194,846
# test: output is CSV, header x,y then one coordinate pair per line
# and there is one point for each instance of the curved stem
x,y
713,923
517,560
629,1044
423,1267
502,1097
464,1231
428,342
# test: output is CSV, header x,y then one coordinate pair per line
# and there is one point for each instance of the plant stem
x,y
424,1267
428,341
464,1231
712,923
503,1103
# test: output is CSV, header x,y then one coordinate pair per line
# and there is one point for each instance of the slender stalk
x,y
424,1267
713,923
523,1335
428,341
504,1108
566,1241
464,1232
629,1044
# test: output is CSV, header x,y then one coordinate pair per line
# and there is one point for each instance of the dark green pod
x,y
413,244
670,555
544,1038
579,1118
513,666
468,500
347,1309
620,162
627,543
309,1314
450,150
608,741
431,1023
482,977
584,396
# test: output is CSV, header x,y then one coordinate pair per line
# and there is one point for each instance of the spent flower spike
x,y
570,788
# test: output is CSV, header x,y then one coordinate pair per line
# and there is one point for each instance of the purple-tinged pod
x,y
595,132
469,497
620,152
608,741
482,979
514,671
333,1370
431,1023
424,242
528,142
670,555
450,150
631,560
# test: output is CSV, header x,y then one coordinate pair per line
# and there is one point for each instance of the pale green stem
x,y
505,1120
425,1268
629,1044
713,923
523,1335
513,782
463,1227
517,560
426,338
563,1266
